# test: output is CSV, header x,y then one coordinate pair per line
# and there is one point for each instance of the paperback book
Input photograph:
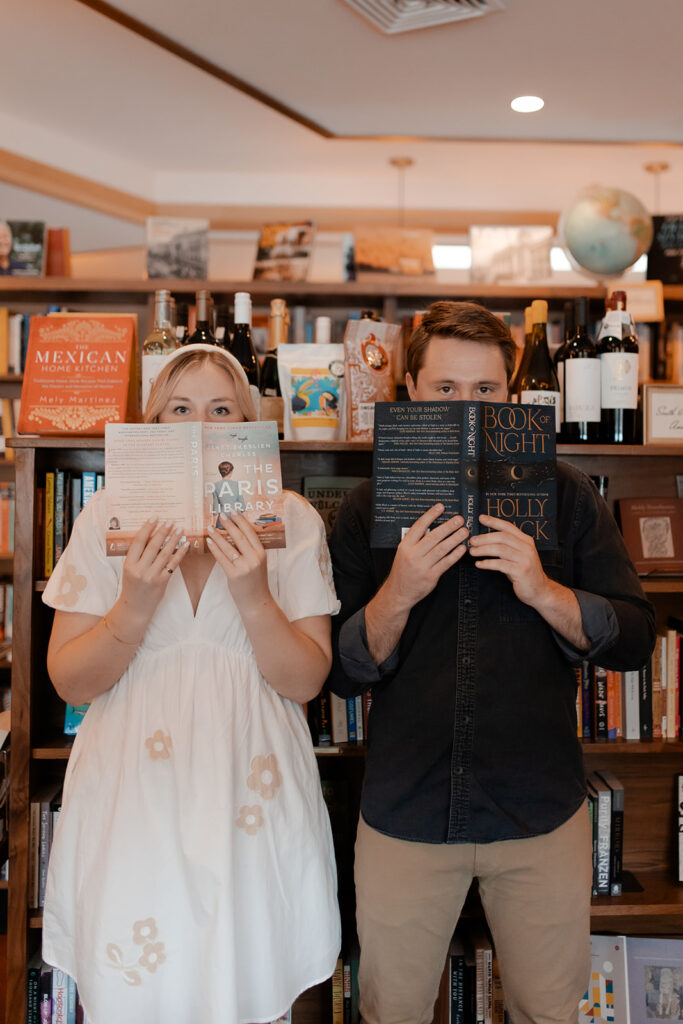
x,y
22,247
474,458
653,533
192,474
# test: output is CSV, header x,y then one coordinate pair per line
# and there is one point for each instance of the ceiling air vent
x,y
392,16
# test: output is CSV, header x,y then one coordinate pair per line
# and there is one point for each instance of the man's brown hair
x,y
465,321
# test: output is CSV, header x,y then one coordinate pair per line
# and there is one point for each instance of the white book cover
x,y
606,999
632,705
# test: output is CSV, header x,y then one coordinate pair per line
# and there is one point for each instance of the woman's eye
x,y
179,410
221,410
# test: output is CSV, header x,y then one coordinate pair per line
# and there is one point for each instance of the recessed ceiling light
x,y
527,104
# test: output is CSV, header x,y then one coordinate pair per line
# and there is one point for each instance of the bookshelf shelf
x,y
660,898
633,748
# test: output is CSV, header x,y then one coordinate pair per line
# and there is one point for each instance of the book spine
x,y
338,993
680,828
614,727
579,704
34,854
45,842
360,730
586,715
46,995
72,1000
671,684
632,705
604,826
340,726
33,995
49,542
59,514
617,842
599,702
645,704
351,719
60,997
457,989
469,467
656,667
347,992
88,486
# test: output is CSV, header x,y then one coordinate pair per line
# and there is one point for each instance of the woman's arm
x,y
293,657
88,654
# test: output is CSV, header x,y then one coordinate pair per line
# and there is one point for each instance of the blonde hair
x,y
167,378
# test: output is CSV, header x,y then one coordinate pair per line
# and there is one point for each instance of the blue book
x,y
351,717
88,486
73,717
59,513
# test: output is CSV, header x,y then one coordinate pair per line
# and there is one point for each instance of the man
x,y
473,767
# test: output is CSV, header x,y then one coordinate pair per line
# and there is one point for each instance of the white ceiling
x,y
84,94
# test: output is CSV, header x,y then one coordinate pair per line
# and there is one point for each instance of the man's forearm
x,y
385,620
560,608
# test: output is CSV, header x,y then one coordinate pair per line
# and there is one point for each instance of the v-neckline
x,y
195,612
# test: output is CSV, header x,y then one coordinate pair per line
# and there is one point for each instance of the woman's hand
x,y
242,557
151,559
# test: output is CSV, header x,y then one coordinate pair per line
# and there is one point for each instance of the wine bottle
x,y
322,334
182,316
558,357
203,332
581,365
536,382
272,406
618,352
223,324
159,343
528,329
241,346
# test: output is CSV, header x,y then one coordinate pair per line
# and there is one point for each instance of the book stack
x,y
51,995
606,808
475,990
43,814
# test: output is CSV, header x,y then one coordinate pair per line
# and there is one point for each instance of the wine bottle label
x,y
151,366
544,398
619,380
582,391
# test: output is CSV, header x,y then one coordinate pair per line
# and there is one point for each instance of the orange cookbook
x,y
80,373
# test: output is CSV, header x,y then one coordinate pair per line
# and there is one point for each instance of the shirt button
x,y
459,771
467,602
466,662
467,719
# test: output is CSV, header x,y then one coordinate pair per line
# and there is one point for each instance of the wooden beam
x,y
72,188
197,61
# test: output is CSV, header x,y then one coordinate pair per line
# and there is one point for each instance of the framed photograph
x,y
510,255
655,972
177,247
284,251
663,414
653,533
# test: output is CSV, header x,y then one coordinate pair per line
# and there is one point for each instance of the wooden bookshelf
x,y
648,770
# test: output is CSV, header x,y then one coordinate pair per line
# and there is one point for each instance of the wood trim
x,y
197,61
72,188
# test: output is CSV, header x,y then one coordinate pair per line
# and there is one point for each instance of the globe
x,y
606,230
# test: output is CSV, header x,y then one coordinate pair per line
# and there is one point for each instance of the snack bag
x,y
312,386
369,348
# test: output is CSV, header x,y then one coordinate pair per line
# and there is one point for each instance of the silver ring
x,y
235,557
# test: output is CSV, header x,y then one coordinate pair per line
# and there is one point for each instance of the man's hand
x,y
510,551
513,553
422,557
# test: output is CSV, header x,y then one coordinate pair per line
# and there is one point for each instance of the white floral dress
x,y
192,874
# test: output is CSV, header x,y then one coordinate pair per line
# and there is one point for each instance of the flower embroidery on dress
x,y
159,746
250,819
71,586
325,565
153,953
265,777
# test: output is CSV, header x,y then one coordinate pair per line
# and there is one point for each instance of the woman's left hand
x,y
242,557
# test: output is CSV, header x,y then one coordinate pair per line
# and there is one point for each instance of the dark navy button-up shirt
x,y
472,728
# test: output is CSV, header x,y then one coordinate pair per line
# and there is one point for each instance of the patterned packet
x,y
370,351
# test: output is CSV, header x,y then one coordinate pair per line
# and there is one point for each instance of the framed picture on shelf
x,y
653,533
663,414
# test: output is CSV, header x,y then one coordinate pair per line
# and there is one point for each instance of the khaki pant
x,y
536,896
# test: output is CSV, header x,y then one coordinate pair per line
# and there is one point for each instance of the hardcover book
x,y
606,999
653,534
192,473
81,372
284,251
177,247
473,457
655,967
27,247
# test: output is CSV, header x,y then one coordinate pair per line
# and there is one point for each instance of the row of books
x,y
638,705
44,810
333,720
14,332
51,995
606,808
59,499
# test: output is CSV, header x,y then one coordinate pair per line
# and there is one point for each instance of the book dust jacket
x,y
192,474
475,458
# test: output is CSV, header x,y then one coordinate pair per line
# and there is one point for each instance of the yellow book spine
x,y
49,524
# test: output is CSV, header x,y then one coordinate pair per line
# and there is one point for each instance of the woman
x,y
192,873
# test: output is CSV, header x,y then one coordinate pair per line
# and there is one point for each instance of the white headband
x,y
201,347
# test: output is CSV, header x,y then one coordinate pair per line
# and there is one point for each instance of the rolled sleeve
x,y
600,624
355,656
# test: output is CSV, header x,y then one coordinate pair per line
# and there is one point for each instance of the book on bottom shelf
x,y
606,998
655,973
